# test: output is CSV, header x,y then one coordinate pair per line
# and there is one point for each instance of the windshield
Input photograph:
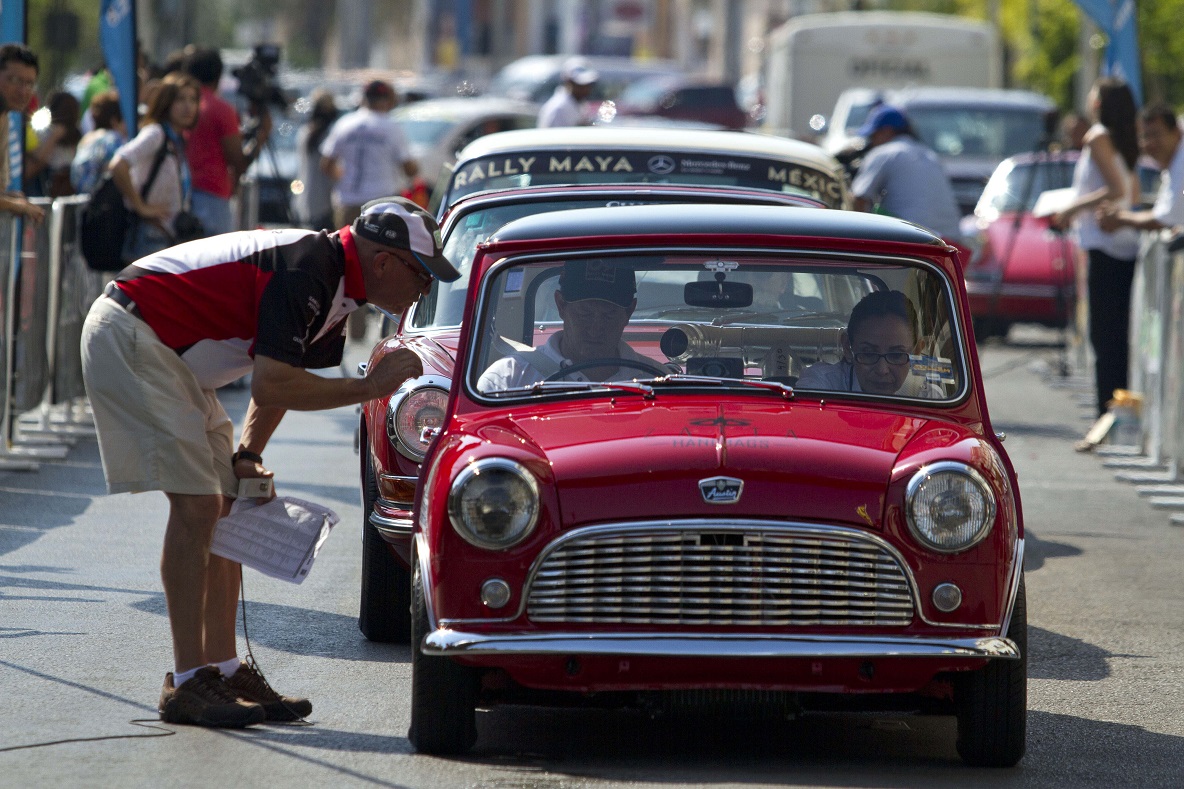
x,y
549,168
445,304
1016,187
556,327
990,132
424,132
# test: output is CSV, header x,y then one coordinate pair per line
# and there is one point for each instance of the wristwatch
x,y
244,454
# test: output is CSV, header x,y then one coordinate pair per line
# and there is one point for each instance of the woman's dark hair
x,y
324,114
166,93
66,111
878,304
105,109
1117,113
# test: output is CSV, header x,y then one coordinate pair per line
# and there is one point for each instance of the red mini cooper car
x,y
717,449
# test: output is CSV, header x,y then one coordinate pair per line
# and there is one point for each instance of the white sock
x,y
181,677
228,667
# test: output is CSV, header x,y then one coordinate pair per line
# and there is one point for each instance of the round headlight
x,y
949,506
494,503
412,412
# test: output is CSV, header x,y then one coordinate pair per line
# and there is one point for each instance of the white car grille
x,y
703,576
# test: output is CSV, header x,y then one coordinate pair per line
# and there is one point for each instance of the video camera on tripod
x,y
258,79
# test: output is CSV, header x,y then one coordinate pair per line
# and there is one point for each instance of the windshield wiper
x,y
645,390
699,380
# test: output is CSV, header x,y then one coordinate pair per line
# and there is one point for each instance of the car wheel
x,y
385,613
443,692
992,702
985,328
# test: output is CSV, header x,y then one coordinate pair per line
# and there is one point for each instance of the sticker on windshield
x,y
933,368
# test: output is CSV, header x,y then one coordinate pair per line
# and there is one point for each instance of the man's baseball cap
x,y
885,116
598,279
577,71
399,223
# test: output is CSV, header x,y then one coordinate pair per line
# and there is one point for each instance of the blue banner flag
x,y
12,30
1116,18
117,33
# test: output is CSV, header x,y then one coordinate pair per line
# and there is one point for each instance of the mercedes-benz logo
x,y
661,164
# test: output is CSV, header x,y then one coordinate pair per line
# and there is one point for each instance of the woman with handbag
x,y
151,170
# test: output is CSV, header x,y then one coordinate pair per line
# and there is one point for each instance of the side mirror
x,y
717,295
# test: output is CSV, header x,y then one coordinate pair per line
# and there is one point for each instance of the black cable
x,y
147,723
254,664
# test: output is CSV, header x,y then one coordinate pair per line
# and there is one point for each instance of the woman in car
x,y
878,344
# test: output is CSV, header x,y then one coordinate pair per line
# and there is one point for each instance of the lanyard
x,y
182,164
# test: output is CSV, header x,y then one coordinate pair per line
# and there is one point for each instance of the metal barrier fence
x,y
46,290
1156,462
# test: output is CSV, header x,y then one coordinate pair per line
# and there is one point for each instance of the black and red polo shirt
x,y
219,301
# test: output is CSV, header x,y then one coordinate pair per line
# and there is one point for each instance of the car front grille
x,y
771,576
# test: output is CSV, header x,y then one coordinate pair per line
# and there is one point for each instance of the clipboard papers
x,y
280,538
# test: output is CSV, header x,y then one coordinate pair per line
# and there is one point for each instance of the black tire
x,y
385,614
992,702
444,694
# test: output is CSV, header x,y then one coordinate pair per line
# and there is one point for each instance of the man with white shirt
x,y
563,108
367,156
595,299
1160,138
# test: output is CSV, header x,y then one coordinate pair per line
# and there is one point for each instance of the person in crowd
x,y
173,109
218,157
366,155
18,77
880,338
166,334
595,300
1160,138
1073,129
564,108
48,165
1106,171
902,177
97,147
314,204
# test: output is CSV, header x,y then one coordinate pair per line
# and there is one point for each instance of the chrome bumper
x,y
401,528
447,642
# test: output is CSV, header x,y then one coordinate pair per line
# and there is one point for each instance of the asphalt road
x,y
84,645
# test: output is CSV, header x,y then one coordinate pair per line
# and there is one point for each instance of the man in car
x,y
595,300
880,338
900,176
1160,138
175,326
564,106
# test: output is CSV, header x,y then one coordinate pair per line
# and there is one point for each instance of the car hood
x,y
802,462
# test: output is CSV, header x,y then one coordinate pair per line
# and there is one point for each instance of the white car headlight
x,y
949,507
417,406
494,503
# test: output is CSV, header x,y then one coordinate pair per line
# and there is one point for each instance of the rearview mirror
x,y
717,295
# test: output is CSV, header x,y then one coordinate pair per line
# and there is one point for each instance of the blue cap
x,y
885,116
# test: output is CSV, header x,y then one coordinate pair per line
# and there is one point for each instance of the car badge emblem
x,y
721,490
661,164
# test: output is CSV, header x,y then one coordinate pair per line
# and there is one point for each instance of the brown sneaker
x,y
205,700
250,685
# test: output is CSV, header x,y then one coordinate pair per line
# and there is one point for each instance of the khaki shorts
x,y
158,429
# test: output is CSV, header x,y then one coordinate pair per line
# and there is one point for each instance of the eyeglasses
x,y
895,358
420,271
27,84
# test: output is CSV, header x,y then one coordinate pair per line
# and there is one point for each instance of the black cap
x,y
598,279
399,223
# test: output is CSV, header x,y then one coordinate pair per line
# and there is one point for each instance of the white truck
x,y
813,58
